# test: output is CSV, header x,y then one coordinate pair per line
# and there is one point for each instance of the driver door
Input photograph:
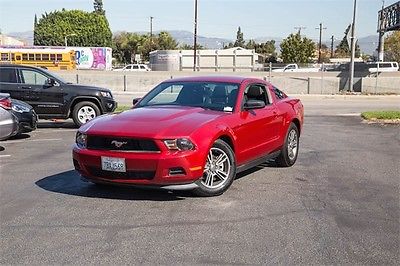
x,y
45,98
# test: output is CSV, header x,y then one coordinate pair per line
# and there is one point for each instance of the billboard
x,y
93,57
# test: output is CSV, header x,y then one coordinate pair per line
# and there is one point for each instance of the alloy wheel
x,y
217,169
292,144
85,114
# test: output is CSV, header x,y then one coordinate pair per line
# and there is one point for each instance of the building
x,y
228,60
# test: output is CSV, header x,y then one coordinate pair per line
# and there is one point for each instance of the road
x,y
338,205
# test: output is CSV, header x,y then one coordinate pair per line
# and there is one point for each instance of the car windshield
x,y
208,95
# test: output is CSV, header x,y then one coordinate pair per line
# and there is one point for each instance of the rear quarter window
x,y
8,75
279,94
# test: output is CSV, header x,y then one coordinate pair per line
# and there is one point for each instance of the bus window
x,y
18,58
25,57
12,57
38,57
4,57
52,57
31,57
59,57
45,57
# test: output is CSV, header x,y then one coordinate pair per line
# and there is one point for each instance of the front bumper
x,y
149,169
109,105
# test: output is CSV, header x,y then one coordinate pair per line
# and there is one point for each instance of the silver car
x,y
8,121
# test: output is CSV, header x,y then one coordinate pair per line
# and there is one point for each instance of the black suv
x,y
52,97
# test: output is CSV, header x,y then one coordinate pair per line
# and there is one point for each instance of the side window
x,y
135,67
256,92
279,94
8,75
32,77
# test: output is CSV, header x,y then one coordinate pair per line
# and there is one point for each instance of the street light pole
x,y
66,37
320,41
195,37
353,47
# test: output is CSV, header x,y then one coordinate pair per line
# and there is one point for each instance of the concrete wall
x,y
304,83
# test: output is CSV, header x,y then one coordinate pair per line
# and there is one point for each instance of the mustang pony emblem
x,y
118,144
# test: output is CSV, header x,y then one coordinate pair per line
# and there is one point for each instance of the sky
x,y
216,18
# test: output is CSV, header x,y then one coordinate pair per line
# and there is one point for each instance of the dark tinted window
x,y
8,75
279,94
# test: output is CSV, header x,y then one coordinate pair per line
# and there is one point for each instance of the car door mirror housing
x,y
135,101
254,104
50,82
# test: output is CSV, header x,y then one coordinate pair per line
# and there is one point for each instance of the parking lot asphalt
x,y
339,204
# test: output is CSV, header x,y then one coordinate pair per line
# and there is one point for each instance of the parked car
x,y
198,132
134,67
8,122
27,118
53,98
375,67
296,68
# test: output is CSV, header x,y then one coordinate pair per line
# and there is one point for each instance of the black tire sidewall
x,y
286,161
208,192
78,106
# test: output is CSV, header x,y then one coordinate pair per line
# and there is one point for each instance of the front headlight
x,y
106,94
81,140
20,108
181,144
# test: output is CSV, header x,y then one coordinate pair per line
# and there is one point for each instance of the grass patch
x,y
383,115
122,108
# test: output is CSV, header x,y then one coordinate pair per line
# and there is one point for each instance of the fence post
x,y
77,78
376,80
322,78
308,85
124,82
270,71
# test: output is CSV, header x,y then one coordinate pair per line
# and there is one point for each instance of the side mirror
x,y
50,82
254,104
135,101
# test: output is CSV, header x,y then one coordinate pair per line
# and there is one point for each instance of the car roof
x,y
18,65
216,78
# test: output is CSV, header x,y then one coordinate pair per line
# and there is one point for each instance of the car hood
x,y
79,87
152,122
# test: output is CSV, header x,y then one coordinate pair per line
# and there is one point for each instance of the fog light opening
x,y
177,171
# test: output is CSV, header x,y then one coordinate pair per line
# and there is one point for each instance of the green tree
x,y
98,7
191,47
343,49
89,29
392,47
229,45
165,41
297,49
127,45
239,39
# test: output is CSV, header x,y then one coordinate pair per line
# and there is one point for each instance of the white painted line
x,y
34,140
349,114
5,155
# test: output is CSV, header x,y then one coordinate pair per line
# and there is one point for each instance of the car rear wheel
x,y
219,171
83,112
290,148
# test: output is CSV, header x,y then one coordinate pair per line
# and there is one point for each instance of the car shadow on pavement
x,y
20,136
56,124
70,183
268,164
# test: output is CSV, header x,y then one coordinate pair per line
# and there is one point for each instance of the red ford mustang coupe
x,y
195,133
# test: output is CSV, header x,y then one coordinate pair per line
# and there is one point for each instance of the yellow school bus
x,y
50,58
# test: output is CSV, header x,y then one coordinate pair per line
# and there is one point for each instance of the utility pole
x,y
320,41
195,37
299,28
381,34
151,29
332,39
353,47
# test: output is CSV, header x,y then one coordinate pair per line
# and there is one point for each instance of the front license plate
x,y
113,164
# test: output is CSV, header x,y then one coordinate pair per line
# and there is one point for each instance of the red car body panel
x,y
252,135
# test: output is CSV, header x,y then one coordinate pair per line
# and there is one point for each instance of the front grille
x,y
129,175
121,144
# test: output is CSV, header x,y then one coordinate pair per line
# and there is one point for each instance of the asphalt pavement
x,y
339,204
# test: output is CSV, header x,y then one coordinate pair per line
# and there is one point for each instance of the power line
x,y
299,28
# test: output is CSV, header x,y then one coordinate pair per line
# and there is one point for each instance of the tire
x,y
217,177
290,148
84,112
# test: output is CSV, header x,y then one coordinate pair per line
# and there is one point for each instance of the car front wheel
x,y
83,112
219,170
